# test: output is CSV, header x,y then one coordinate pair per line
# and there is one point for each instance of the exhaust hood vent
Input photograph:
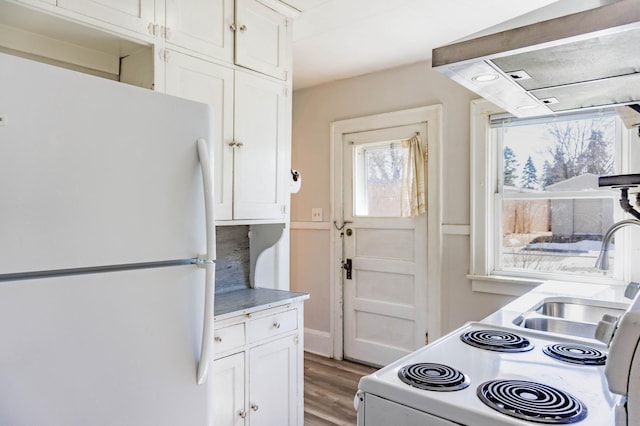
x,y
589,59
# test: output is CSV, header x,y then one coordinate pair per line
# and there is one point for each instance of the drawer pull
x,y
218,339
276,324
254,407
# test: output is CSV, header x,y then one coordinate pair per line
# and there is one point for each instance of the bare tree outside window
x,y
555,233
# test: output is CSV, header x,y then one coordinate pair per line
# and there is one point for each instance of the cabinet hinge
x,y
285,92
165,55
283,208
285,75
296,339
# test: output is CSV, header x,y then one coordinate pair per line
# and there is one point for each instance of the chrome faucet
x,y
603,259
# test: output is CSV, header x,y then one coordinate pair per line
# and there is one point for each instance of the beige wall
x,y
314,109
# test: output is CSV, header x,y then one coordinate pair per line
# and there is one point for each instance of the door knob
x,y
349,232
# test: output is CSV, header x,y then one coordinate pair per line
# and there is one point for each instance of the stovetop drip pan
x,y
497,340
531,401
575,354
433,377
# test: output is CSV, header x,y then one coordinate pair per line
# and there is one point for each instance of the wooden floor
x,y
329,388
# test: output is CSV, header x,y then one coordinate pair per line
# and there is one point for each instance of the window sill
x,y
507,286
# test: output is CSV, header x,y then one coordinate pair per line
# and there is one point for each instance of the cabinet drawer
x,y
228,338
272,325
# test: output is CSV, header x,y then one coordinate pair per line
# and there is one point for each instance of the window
x,y
538,212
378,179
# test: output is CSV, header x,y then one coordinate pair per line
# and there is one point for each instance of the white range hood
x,y
586,60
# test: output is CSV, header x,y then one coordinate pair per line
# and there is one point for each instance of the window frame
x,y
486,209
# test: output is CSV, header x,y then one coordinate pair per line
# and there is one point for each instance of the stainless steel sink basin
x,y
570,316
555,325
577,310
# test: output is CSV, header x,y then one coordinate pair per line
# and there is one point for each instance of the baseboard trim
x,y
318,342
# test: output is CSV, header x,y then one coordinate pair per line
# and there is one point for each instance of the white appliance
x,y
623,367
460,383
107,252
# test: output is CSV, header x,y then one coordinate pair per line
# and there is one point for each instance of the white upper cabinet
x,y
262,39
251,117
203,26
209,83
261,141
135,15
187,48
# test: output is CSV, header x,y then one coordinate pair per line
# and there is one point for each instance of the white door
x,y
385,278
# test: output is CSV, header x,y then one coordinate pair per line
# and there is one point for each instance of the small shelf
x,y
49,36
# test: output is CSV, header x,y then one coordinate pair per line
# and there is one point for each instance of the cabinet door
x,y
262,117
203,81
135,15
228,391
273,389
201,25
261,39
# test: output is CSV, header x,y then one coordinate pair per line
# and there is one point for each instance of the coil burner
x,y
497,340
433,377
575,354
531,401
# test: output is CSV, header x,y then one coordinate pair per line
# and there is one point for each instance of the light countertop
x,y
249,300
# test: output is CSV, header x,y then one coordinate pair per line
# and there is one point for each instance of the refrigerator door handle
x,y
206,349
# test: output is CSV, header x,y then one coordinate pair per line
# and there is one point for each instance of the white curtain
x,y
413,178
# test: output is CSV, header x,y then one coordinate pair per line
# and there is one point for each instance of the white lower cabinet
x,y
228,390
258,375
273,383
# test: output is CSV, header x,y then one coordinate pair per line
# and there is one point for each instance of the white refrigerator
x,y
107,252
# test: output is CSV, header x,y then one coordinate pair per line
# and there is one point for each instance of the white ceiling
x,y
336,39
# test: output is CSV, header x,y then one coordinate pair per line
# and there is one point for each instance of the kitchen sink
x,y
570,316
579,310
555,325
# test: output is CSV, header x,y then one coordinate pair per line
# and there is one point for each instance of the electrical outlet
x,y
316,214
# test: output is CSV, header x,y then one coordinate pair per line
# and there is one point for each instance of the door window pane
x,y
378,179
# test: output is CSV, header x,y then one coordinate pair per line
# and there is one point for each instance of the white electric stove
x,y
484,375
